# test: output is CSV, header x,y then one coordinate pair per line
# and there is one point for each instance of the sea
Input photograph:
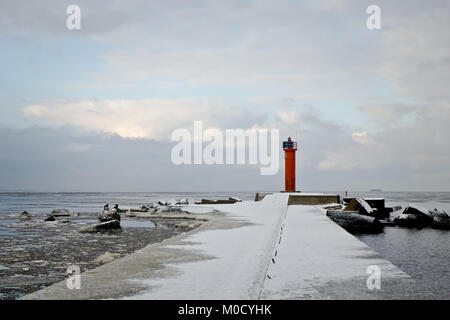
x,y
423,254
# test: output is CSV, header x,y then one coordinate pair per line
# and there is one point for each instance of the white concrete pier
x,y
252,250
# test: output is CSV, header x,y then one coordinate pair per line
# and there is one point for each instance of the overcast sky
x,y
93,109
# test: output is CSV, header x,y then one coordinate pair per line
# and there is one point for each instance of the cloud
x,y
288,116
77,147
361,137
147,118
286,56
336,161
389,113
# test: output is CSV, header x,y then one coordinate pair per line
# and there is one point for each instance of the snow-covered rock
x,y
106,257
413,209
183,201
441,220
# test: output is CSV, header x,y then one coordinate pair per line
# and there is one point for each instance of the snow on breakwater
x,y
239,256
232,256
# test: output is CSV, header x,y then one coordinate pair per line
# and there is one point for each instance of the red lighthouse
x,y
289,147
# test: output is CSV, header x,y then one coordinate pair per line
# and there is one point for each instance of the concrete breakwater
x,y
249,250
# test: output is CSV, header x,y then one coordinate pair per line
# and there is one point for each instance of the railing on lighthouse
x,y
289,147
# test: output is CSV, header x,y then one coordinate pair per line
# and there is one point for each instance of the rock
x,y
170,209
107,257
104,226
183,201
108,215
141,209
414,217
337,207
373,207
361,206
409,221
418,211
441,220
60,211
24,216
50,218
346,200
379,205
235,199
112,224
354,222
219,201
182,225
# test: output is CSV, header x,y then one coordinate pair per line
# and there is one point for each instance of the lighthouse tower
x,y
289,147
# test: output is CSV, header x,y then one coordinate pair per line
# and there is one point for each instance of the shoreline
x,y
120,278
36,253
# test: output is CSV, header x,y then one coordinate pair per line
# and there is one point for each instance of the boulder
x,y
441,220
336,207
183,201
108,215
170,209
60,211
418,211
361,206
107,257
182,225
414,217
235,199
354,222
410,221
24,216
112,224
104,226
50,218
346,200
141,209
380,205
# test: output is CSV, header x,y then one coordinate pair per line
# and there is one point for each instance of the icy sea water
x,y
423,254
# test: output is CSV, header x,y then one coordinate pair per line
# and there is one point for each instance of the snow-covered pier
x,y
251,250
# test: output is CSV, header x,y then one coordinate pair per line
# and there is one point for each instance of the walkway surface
x,y
317,259
252,250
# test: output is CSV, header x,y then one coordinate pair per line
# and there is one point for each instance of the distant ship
x,y
376,190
